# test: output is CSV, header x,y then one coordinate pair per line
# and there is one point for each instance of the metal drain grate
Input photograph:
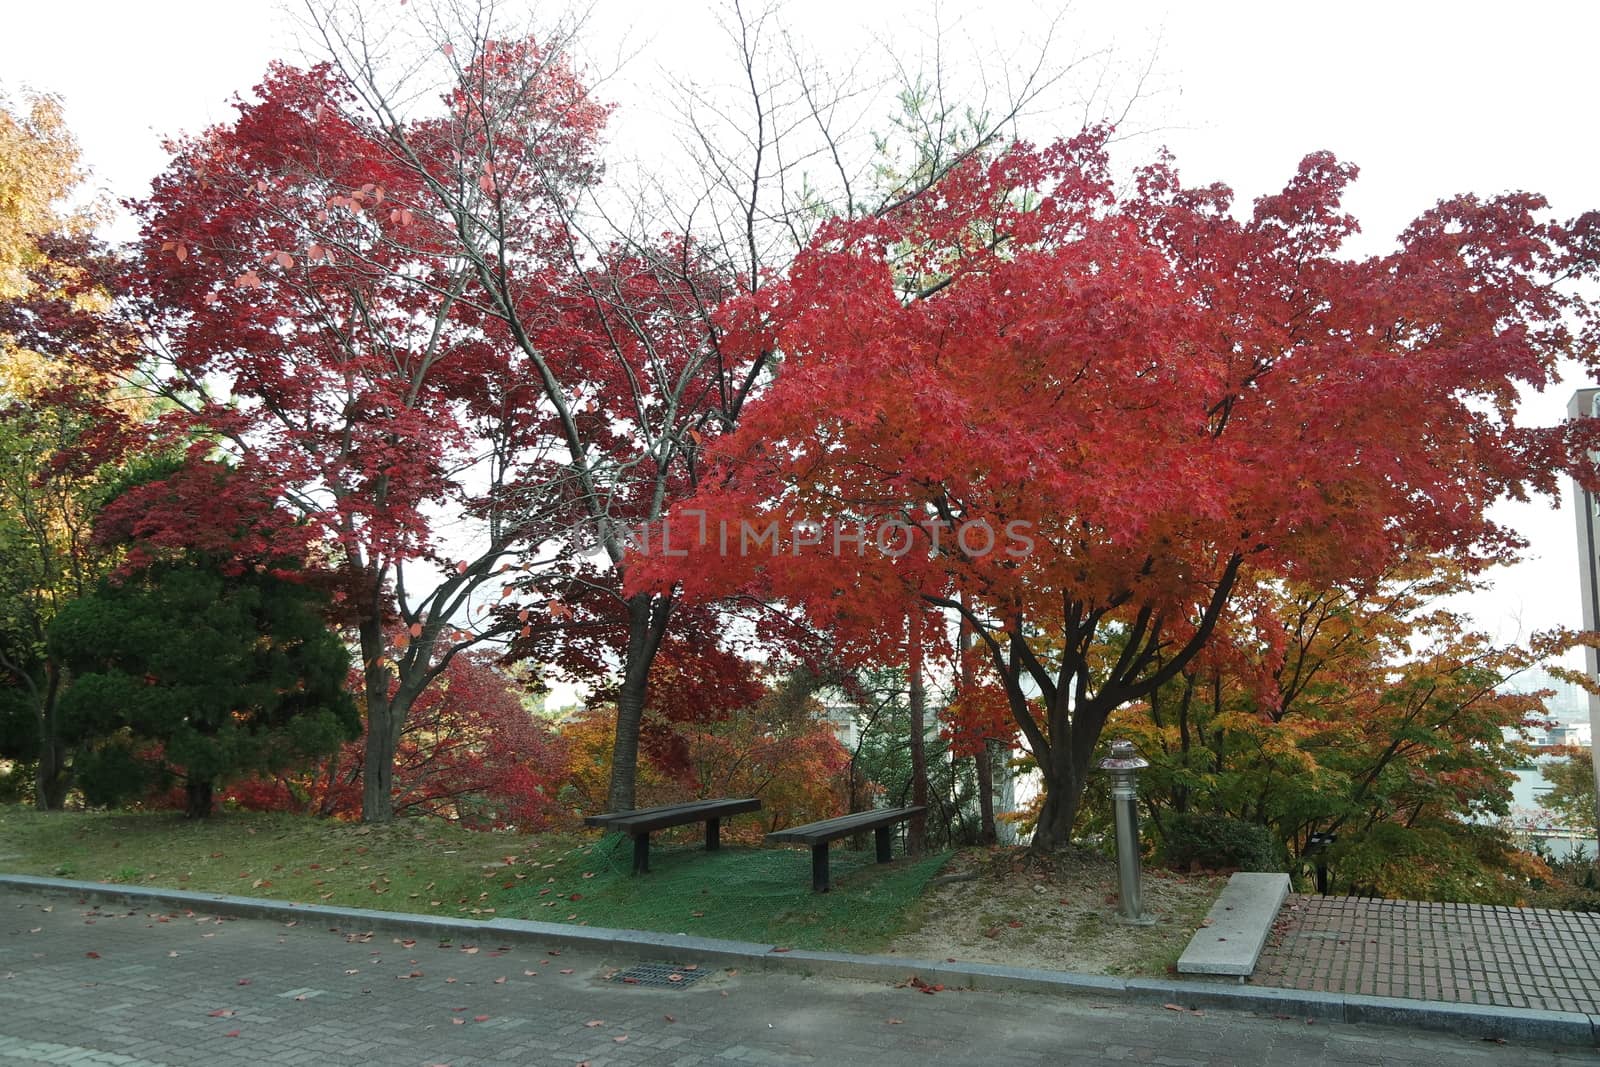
x,y
658,974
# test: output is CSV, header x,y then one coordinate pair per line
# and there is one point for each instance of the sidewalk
x,y
1460,953
142,986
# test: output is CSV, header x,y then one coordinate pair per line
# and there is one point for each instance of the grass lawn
x,y
750,894
430,867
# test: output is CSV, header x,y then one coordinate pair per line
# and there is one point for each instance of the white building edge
x,y
1585,403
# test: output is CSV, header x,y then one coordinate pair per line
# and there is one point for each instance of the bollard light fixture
x,y
1123,765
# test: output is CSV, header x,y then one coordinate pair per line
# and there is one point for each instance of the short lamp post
x,y
1124,764
1317,850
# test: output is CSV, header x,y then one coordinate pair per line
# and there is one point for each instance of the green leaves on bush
x,y
1219,843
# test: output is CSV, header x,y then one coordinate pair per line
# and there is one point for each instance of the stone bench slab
x,y
1237,926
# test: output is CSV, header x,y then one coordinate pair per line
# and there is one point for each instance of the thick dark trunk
x,y
383,729
985,765
1065,775
1060,811
51,781
199,799
377,771
623,791
917,831
647,622
52,777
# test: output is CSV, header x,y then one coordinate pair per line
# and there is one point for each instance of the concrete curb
x,y
1468,1020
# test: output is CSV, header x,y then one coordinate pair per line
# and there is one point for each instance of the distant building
x,y
1568,702
1579,734
1584,405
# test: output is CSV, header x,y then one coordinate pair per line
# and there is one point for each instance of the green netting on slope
x,y
748,894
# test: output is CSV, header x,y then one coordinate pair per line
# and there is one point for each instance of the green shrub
x,y
1579,903
1219,843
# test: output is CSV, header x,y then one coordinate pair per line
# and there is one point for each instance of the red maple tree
x,y
1088,422
305,294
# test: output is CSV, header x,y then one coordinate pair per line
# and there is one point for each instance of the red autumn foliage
x,y
318,319
1172,401
210,508
470,752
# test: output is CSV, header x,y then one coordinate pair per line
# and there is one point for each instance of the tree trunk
x,y
984,760
52,778
917,831
1064,776
1060,810
383,731
647,623
377,772
985,765
200,797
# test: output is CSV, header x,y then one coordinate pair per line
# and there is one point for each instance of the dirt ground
x,y
1002,906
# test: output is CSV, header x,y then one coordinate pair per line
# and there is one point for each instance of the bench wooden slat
x,y
818,834
641,822
843,826
646,819
605,817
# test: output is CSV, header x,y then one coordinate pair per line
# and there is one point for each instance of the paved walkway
x,y
85,985
1467,953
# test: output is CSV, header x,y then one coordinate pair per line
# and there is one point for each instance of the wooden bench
x,y
641,822
818,834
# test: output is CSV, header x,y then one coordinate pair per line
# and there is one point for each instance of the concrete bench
x,y
640,823
818,834
1237,927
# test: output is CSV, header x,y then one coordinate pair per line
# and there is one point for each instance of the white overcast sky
x,y
1428,98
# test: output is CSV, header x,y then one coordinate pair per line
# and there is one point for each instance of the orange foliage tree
x,y
1368,714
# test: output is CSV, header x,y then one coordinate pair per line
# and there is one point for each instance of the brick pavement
x,y
1466,953
85,985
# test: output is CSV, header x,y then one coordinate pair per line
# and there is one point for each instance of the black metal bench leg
x,y
819,867
641,853
882,836
713,834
